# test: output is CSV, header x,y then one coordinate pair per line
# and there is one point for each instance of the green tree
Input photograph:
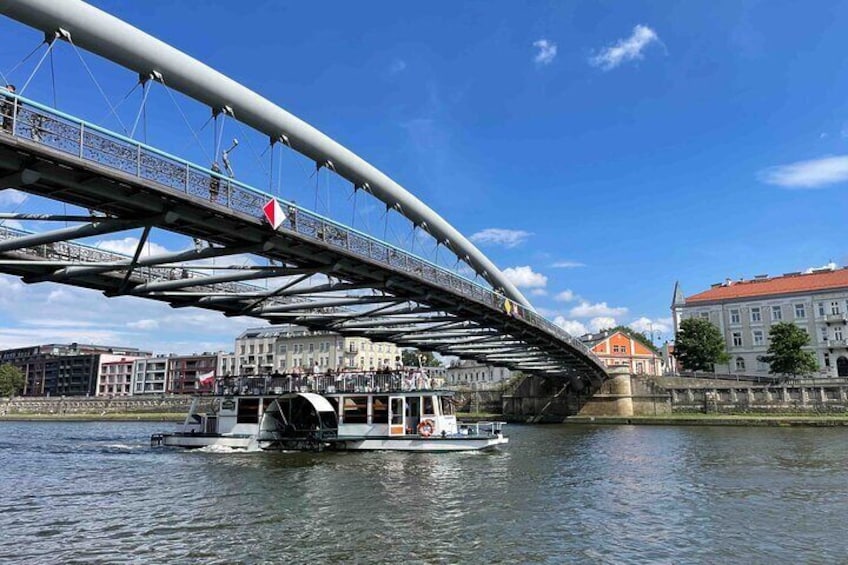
x,y
785,353
410,358
699,345
11,380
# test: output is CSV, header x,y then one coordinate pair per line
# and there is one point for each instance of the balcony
x,y
836,318
837,343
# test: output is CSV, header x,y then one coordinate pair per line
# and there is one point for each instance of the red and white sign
x,y
274,213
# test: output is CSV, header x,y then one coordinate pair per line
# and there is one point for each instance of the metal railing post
x,y
81,139
138,161
14,117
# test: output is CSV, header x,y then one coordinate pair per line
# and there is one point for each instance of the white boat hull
x,y
198,441
432,444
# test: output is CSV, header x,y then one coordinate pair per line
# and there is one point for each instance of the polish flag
x,y
274,213
206,378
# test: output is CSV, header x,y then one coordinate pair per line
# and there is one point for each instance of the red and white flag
x,y
206,378
274,213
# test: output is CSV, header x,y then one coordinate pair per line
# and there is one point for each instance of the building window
x,y
827,359
740,364
737,339
758,337
734,317
282,348
776,313
821,308
837,333
800,311
311,348
704,315
834,307
756,315
824,333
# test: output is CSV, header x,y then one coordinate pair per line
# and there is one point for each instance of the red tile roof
x,y
786,284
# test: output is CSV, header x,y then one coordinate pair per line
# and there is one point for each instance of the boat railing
x,y
275,384
481,428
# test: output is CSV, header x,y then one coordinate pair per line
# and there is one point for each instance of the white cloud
x,y
586,310
624,50
644,324
565,296
539,292
397,66
547,51
571,326
814,173
144,324
128,245
602,323
499,236
525,277
567,265
12,196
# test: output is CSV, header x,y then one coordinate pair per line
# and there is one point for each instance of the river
x,y
95,492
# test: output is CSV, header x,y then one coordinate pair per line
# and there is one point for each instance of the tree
x,y
699,345
785,353
410,358
11,380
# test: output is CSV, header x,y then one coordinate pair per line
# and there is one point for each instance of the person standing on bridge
x,y
214,183
7,109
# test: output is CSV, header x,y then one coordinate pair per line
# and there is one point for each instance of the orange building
x,y
618,348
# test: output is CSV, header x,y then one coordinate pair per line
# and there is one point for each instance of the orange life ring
x,y
426,428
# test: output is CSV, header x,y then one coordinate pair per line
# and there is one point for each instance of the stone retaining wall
x,y
82,405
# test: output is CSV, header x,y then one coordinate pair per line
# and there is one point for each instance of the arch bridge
x,y
318,272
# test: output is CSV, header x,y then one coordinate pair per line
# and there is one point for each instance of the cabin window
x,y
355,410
380,410
428,406
397,411
447,406
413,407
248,411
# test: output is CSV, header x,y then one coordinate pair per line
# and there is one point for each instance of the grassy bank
x,y
133,417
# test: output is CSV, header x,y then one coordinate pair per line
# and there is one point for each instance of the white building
x,y
115,375
288,349
744,311
150,376
473,374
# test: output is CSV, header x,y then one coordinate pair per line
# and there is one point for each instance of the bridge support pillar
x,y
615,398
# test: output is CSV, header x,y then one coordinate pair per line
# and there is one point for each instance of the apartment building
x,y
291,349
744,311
619,348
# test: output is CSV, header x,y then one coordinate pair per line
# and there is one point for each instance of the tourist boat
x,y
354,412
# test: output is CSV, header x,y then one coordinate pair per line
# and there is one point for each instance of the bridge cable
x,y
21,62
121,101
38,65
97,84
185,119
53,79
256,153
145,92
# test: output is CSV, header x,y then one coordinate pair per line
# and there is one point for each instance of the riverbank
x,y
112,417
762,420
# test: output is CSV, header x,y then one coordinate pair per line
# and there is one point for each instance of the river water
x,y
97,493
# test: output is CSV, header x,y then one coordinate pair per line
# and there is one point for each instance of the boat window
x,y
413,406
380,410
334,402
447,406
248,411
428,406
397,411
355,410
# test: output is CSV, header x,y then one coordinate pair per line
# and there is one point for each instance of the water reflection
x,y
97,492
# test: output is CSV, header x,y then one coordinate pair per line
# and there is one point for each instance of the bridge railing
x,y
28,119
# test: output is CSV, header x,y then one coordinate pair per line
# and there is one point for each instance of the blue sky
x,y
598,150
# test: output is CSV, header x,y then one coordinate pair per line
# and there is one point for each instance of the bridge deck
x,y
60,157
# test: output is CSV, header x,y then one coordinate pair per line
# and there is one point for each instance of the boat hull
x,y
421,444
438,445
